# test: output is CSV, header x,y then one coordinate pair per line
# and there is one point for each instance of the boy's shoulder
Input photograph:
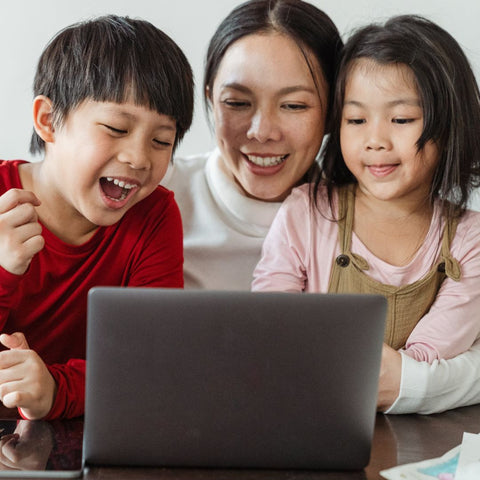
x,y
9,177
154,208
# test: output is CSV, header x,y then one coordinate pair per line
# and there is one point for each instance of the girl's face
x,y
105,158
382,121
269,116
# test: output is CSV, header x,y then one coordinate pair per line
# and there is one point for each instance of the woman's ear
x,y
43,118
208,94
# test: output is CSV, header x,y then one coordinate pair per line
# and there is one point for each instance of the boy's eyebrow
x,y
130,116
282,91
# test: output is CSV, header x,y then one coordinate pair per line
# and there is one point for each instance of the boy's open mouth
x,y
116,189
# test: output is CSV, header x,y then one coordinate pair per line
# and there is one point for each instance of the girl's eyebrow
x,y
283,91
409,101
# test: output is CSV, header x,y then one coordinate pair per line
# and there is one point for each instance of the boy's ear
x,y
43,118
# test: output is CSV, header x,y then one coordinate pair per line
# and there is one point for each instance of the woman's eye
x,y
295,107
236,103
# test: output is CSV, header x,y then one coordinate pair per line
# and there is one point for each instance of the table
x,y
397,440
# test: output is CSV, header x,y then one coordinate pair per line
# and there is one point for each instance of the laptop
x,y
185,378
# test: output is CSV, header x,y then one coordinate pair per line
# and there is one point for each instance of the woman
x,y
268,141
268,74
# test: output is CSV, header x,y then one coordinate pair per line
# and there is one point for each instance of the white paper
x,y
460,463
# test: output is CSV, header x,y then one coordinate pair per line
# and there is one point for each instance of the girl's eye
x,y
355,121
402,121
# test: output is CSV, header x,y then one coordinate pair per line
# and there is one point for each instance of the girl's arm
x,y
452,324
431,388
285,251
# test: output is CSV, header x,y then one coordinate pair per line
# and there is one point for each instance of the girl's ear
x,y
43,118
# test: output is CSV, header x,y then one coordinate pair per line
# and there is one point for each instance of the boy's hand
x,y
25,381
20,233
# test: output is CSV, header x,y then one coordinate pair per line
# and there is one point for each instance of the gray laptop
x,y
231,379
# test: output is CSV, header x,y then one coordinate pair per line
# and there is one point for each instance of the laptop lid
x,y
231,379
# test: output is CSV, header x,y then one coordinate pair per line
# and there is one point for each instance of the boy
x,y
113,97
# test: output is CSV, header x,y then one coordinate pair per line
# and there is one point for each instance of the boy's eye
x,y
115,130
162,143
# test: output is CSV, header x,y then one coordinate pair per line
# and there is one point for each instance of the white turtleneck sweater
x,y
223,229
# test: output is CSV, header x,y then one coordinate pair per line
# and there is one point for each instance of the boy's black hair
x,y
449,96
114,59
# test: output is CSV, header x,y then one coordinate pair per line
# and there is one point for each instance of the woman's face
x,y
269,116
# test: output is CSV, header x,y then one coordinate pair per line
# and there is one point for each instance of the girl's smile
x,y
381,125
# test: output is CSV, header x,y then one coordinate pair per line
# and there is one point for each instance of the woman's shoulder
x,y
184,169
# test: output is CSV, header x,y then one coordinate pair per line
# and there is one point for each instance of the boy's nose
x,y
264,126
135,155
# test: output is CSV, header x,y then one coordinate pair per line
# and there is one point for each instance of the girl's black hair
x,y
114,59
311,29
449,96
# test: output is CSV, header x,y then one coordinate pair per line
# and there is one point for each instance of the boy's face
x,y
106,157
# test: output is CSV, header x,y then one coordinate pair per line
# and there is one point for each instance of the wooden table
x,y
397,440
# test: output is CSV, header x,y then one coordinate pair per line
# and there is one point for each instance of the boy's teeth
x,y
266,161
120,183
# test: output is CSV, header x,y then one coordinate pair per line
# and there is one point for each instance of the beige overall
x,y
406,304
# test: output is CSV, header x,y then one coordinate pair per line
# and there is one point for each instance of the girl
x,y
399,167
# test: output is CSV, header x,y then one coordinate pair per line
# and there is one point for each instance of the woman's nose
x,y
264,126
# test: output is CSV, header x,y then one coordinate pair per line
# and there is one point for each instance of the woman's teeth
x,y
266,161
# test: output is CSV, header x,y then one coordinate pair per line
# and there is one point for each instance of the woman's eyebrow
x,y
282,91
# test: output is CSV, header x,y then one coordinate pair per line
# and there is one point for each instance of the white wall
x,y
27,25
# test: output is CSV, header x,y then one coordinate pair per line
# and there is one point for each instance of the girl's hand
x,y
390,377
25,381
20,232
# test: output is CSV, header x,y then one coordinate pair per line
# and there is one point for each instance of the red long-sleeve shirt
x,y
48,303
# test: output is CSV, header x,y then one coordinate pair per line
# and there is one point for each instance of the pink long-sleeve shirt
x,y
301,246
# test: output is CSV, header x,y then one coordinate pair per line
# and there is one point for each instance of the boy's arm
x,y
25,381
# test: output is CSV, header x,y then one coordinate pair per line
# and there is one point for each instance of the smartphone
x,y
36,448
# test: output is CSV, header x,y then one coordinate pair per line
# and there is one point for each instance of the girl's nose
x,y
377,138
264,126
